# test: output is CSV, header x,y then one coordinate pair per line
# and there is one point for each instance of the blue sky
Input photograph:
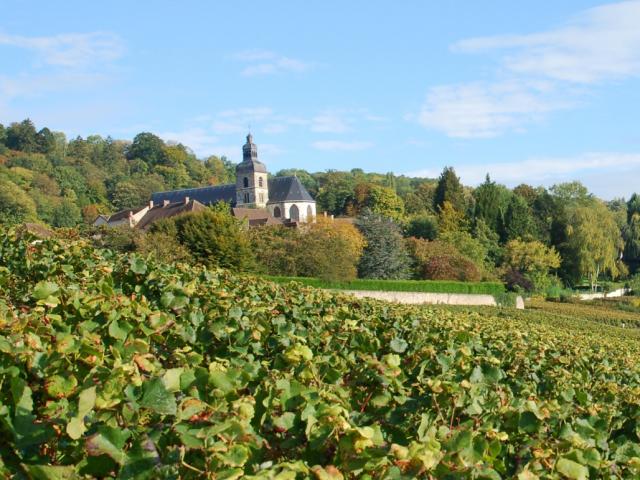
x,y
529,91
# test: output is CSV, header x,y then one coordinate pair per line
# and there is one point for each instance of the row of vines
x,y
115,366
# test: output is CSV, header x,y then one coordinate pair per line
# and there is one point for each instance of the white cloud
x,y
600,44
70,49
480,110
546,71
544,170
338,145
28,85
200,140
265,62
330,122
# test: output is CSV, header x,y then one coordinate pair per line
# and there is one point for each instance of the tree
x,y
449,189
335,192
22,136
593,241
423,226
66,214
214,237
381,200
3,135
631,235
147,147
16,206
518,220
491,202
438,260
451,220
330,250
531,258
385,254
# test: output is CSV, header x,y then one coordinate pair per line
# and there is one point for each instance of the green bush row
x,y
427,286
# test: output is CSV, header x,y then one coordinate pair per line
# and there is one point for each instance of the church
x,y
285,199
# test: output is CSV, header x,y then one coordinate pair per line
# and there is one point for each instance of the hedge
x,y
427,286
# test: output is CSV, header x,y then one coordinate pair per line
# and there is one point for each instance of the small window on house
x,y
246,182
309,214
276,212
260,181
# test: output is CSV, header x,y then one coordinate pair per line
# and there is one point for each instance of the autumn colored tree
x,y
531,258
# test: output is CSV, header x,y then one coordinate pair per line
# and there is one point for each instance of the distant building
x,y
285,198
254,197
143,217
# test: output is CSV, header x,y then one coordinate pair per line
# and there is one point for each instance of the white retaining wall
x,y
592,296
431,298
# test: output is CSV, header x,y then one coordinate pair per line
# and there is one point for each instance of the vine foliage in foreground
x,y
115,366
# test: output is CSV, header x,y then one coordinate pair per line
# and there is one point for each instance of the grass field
x,y
426,286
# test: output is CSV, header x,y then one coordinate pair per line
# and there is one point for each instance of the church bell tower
x,y
252,190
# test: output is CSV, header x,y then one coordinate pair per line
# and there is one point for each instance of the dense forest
x,y
530,237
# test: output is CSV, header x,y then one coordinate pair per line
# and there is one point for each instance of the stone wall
x,y
431,298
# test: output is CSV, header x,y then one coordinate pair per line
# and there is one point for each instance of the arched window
x,y
246,182
260,181
261,197
246,197
294,213
309,214
276,212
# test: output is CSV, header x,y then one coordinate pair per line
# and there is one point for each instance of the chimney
x,y
165,203
186,200
150,204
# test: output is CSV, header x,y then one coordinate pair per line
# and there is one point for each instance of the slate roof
x,y
204,195
255,216
287,189
122,214
281,189
159,212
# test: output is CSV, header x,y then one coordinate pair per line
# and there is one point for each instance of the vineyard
x,y
608,312
116,366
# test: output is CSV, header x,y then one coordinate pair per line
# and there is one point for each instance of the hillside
x,y
115,365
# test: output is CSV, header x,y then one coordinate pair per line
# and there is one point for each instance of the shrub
x,y
516,281
215,238
451,267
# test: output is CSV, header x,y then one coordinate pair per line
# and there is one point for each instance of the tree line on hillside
x,y
532,238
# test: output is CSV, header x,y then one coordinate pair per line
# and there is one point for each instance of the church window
x,y
246,197
260,181
246,182
262,198
276,212
294,213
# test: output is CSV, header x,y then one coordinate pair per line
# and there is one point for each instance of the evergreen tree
x,y
449,189
491,202
518,220
385,255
